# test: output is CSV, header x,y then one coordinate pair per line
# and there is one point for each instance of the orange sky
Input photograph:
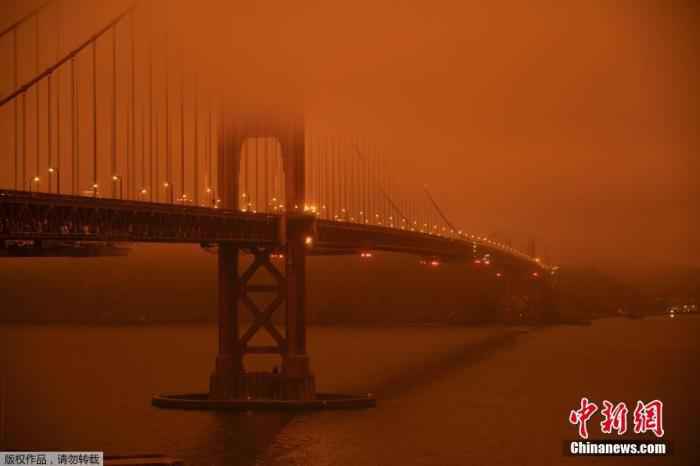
x,y
576,124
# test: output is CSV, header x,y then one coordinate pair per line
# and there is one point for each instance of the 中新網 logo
x,y
647,417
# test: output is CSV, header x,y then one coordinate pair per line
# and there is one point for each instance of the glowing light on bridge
x,y
430,262
366,255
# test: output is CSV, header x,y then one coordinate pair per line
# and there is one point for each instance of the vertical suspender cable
x,y
363,182
156,154
94,117
363,188
342,175
15,105
382,188
143,150
77,135
324,179
59,44
142,187
114,107
58,133
375,186
256,206
328,177
346,179
168,168
357,181
196,141
182,126
368,194
368,188
50,134
266,157
72,125
246,162
357,184
331,181
334,175
132,177
319,196
24,140
209,157
308,160
38,87
349,180
152,181
37,130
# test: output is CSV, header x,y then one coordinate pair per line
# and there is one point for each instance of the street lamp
x,y
54,172
118,179
35,181
168,191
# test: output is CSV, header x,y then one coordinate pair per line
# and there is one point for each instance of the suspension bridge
x,y
112,139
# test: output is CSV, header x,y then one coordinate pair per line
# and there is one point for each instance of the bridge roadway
x,y
41,216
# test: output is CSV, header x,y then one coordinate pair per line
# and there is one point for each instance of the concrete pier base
x,y
322,401
262,385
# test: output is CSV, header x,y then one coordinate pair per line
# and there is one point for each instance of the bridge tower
x,y
230,379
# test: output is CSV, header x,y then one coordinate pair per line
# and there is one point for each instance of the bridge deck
x,y
38,216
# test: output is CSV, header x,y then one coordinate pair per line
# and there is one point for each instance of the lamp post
x,y
35,181
168,191
54,172
118,179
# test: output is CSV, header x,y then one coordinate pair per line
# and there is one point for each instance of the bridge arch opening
x,y
261,175
247,141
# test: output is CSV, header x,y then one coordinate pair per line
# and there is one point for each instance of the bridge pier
x,y
295,362
230,380
224,382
